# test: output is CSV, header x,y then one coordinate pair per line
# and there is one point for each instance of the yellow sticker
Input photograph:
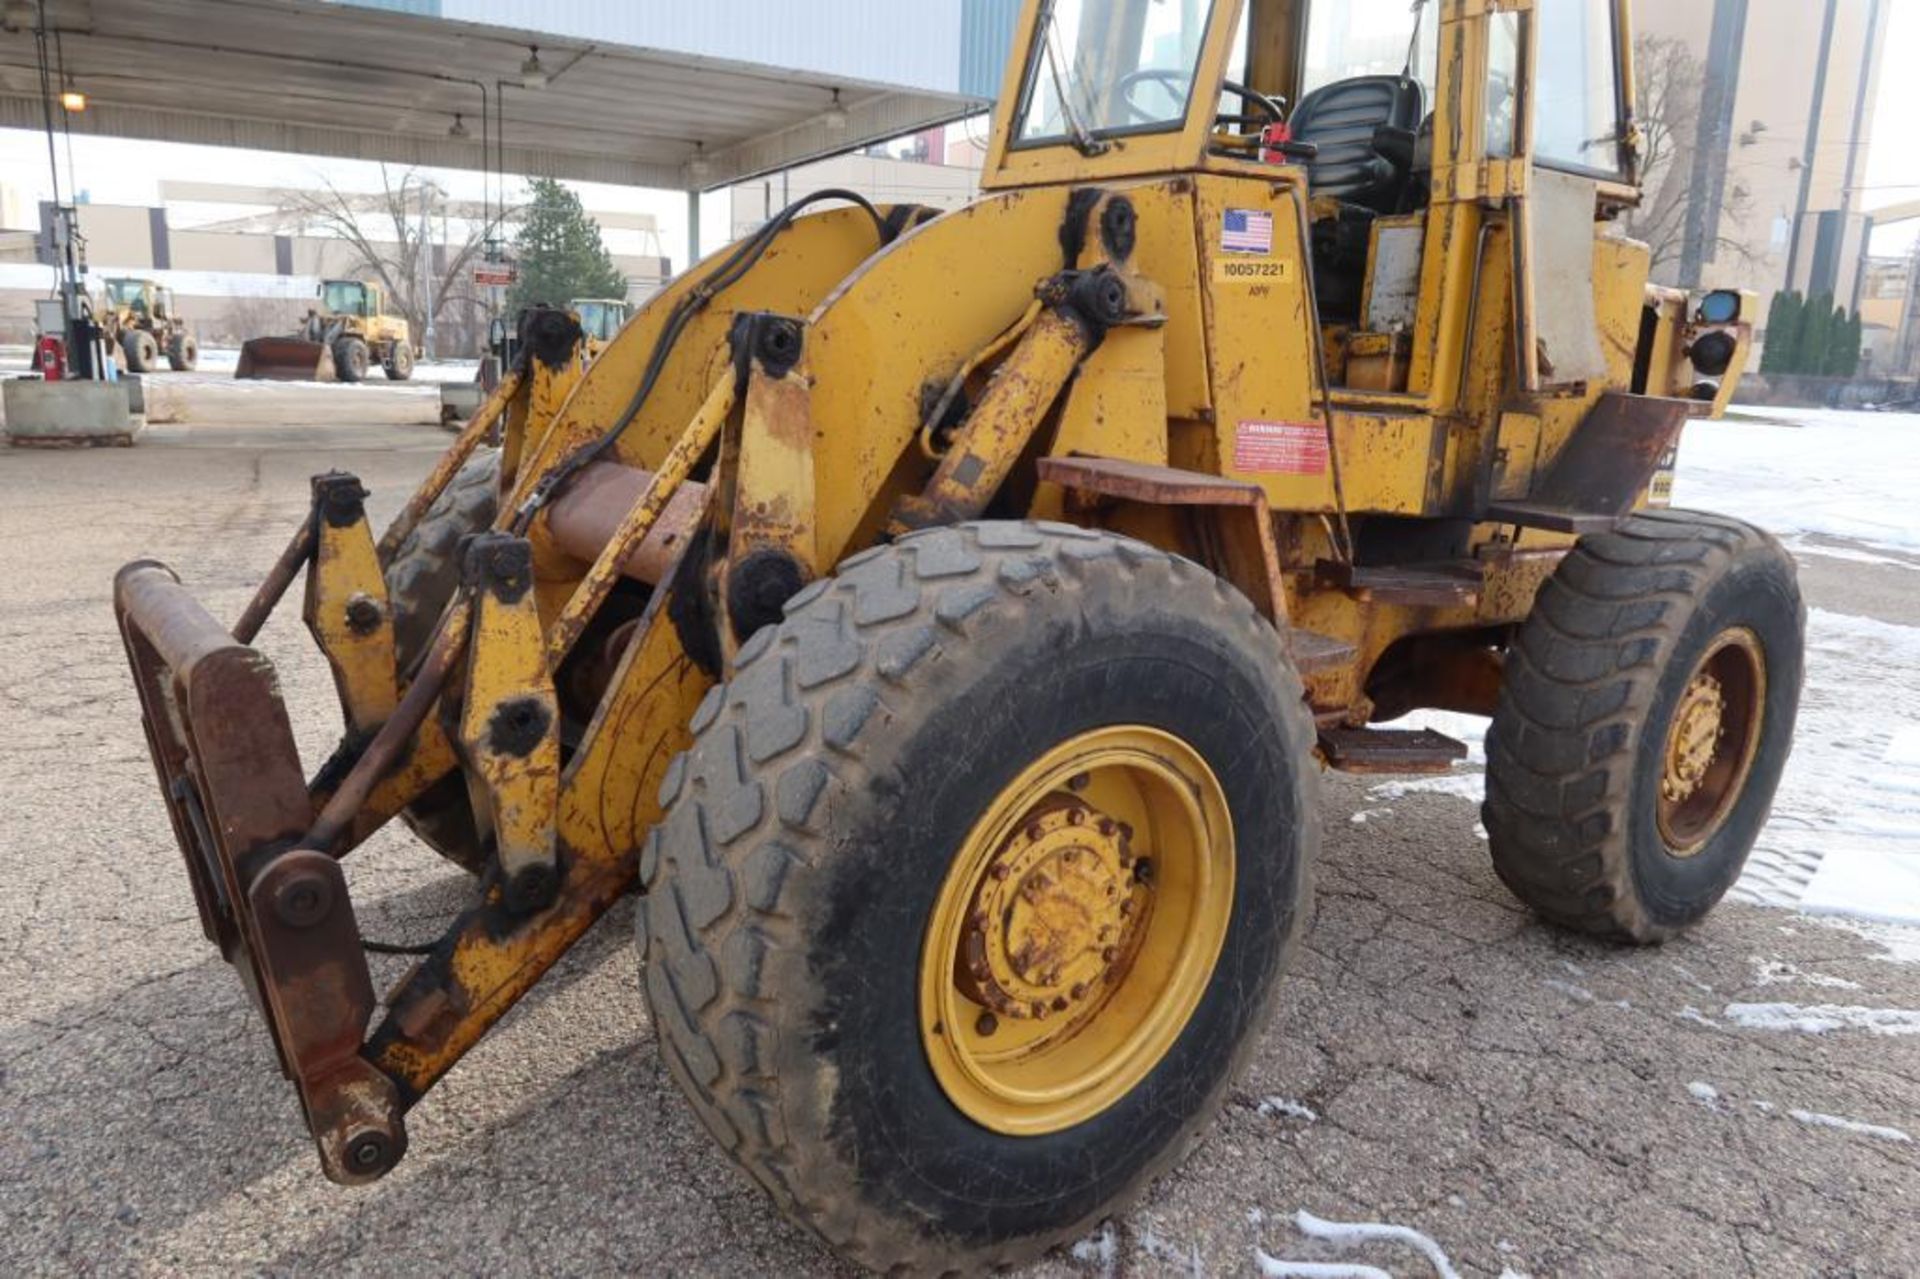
x,y
1252,270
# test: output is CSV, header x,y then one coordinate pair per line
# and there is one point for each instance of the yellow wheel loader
x,y
941,620
139,322
601,319
341,340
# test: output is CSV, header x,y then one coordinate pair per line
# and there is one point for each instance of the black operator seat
x,y
1365,129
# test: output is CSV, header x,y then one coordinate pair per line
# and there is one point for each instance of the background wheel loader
x,y
942,620
341,339
138,321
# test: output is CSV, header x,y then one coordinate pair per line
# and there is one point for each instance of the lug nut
x,y
1077,782
1079,990
1109,954
363,615
986,1024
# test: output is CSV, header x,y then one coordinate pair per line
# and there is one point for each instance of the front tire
x,y
350,360
1646,715
813,832
421,579
142,351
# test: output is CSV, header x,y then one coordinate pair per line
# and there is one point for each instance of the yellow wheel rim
x,y
1077,930
1712,741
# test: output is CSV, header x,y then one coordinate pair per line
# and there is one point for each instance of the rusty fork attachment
x,y
263,843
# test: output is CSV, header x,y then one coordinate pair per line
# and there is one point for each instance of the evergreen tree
x,y
1846,361
1783,339
560,253
1831,358
1776,332
1816,337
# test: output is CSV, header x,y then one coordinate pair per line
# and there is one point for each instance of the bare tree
x,y
389,236
1669,83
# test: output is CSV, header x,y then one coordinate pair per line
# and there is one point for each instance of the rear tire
x,y
183,353
350,360
1597,815
808,838
399,362
421,580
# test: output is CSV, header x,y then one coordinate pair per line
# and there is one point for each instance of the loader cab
x,y
1415,133
348,297
134,295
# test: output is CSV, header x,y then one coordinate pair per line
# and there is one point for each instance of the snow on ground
x,y
1352,1234
1844,837
1800,472
1815,1119
1822,1019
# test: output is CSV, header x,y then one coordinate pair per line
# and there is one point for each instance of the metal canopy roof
x,y
375,84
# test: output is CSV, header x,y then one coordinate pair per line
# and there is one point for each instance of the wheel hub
x,y
1697,732
1711,741
1056,917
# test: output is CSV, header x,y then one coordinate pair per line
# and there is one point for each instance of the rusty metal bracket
x,y
1167,486
221,743
1604,469
510,721
346,603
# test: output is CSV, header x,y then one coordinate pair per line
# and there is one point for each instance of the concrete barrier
x,y
67,414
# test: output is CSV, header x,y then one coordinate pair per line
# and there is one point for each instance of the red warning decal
x,y
1280,448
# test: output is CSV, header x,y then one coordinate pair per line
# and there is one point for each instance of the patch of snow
x,y
1275,1268
1578,994
1764,1107
1287,1108
1819,1019
1366,815
1099,1250
1844,838
1690,1013
1508,1272
1898,945
1455,1201
1349,1233
1468,786
1817,1120
1787,480
1778,972
1164,1249
1704,1093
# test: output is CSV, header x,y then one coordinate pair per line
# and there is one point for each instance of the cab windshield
x,y
1108,67
126,292
343,297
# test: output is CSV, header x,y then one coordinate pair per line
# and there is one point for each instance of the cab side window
x,y
1577,114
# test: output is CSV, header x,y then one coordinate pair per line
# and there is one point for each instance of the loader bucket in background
x,y
285,359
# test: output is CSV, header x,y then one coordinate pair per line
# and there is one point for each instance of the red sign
x,y
496,275
1280,448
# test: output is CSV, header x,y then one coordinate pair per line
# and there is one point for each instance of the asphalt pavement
x,y
1530,1102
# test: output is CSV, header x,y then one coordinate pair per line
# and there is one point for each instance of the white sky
x,y
120,171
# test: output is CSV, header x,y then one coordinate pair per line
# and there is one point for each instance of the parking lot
x,y
1741,1101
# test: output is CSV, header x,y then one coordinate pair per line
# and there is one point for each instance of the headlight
x,y
1712,353
1722,306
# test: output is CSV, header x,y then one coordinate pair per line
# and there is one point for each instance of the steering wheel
x,y
1257,110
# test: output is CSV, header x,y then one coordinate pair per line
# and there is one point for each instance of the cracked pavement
x,y
1532,1101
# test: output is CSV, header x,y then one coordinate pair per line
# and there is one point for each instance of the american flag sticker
x,y
1246,231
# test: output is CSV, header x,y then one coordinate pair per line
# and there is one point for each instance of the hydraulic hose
x,y
742,260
